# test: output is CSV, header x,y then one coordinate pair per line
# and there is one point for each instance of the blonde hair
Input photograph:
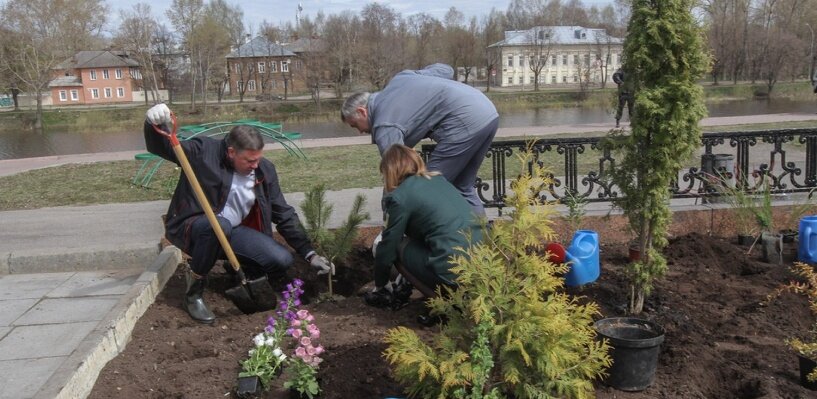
x,y
400,162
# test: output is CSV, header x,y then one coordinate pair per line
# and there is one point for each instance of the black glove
x,y
379,298
401,294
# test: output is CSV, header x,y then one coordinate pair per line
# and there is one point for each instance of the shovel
x,y
249,296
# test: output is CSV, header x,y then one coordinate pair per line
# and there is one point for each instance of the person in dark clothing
x,y
428,103
242,187
427,219
625,95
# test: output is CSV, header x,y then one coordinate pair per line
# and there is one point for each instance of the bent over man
x,y
427,103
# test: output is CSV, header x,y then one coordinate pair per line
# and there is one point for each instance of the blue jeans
x,y
257,252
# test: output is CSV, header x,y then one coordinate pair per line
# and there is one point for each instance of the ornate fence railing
x,y
786,158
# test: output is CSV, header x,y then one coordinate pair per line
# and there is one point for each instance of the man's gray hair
x,y
244,137
352,103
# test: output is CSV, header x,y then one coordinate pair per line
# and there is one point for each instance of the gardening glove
x,y
159,114
380,298
322,264
375,243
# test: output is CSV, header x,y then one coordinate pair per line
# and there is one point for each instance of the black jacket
x,y
208,158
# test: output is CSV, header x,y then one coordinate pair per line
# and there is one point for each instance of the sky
x,y
279,11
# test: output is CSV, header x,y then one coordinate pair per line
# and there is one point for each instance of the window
x,y
575,59
273,66
553,79
285,66
74,95
120,92
273,84
93,74
240,85
521,60
553,60
564,78
510,60
587,60
510,80
262,67
564,59
94,93
117,73
251,85
519,80
105,74
575,78
108,92
63,95
297,65
531,80
618,59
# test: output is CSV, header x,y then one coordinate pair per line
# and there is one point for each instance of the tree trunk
x,y
38,115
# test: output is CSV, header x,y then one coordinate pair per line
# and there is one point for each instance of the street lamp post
x,y
811,56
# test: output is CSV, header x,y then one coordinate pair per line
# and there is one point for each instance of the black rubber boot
x,y
194,299
616,122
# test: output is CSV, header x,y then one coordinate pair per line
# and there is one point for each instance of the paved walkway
x,y
74,280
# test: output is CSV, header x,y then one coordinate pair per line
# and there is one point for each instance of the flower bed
x,y
721,340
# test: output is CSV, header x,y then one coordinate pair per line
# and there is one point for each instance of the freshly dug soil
x,y
722,339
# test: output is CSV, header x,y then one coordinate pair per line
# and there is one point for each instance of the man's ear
x,y
362,111
231,152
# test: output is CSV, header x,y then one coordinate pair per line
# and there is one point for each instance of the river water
x,y
14,144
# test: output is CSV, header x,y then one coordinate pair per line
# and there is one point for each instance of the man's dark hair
x,y
244,137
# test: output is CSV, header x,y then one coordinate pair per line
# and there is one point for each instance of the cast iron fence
x,y
786,158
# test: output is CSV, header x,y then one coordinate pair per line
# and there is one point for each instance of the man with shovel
x,y
242,189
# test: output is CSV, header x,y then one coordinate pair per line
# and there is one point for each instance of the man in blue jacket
x,y
242,188
427,103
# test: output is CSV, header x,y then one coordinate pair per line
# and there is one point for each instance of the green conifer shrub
x,y
334,245
512,331
664,56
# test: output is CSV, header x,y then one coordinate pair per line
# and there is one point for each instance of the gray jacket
x,y
417,104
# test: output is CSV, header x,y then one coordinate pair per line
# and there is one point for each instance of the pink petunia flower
x,y
296,333
300,352
305,341
303,314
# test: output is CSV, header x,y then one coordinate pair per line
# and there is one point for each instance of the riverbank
x,y
301,108
86,179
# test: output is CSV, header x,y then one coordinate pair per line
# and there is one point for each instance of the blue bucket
x,y
583,255
807,248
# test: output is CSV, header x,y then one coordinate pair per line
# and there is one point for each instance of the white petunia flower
x,y
270,341
259,339
277,352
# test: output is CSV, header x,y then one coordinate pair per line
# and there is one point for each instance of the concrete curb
x,y
83,260
77,374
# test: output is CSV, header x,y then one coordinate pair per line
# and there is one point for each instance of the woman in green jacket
x,y
426,220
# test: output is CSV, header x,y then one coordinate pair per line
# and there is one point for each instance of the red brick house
x,y
95,77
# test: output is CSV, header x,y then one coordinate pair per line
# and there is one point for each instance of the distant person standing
x,y
428,103
625,95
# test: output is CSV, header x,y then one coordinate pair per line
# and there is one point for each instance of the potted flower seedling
x,y
806,346
292,330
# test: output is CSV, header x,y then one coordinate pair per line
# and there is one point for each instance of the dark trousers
x,y
415,267
624,98
257,252
460,162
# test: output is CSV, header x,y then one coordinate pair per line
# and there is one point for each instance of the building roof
x,y
260,47
65,81
97,59
306,45
557,35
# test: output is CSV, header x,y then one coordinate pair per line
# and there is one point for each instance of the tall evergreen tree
x,y
664,56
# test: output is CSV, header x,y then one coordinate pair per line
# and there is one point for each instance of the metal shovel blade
x,y
240,296
262,293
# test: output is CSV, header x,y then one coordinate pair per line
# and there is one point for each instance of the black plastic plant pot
x,y
635,346
806,367
248,386
746,239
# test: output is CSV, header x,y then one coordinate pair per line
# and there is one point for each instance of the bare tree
x,y
492,32
341,34
426,33
136,36
381,44
167,57
538,52
185,15
40,34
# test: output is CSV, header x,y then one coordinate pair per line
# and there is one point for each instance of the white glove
x,y
322,265
158,114
374,244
